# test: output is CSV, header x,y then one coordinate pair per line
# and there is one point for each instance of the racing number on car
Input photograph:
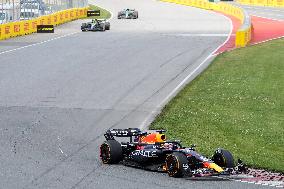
x,y
185,166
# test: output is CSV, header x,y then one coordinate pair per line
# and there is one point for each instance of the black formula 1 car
x,y
96,25
127,14
152,151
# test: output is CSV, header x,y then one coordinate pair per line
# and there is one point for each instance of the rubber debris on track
x,y
263,177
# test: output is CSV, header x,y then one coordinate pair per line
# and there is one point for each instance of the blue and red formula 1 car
x,y
152,151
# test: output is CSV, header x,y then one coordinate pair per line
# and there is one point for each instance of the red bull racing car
x,y
152,151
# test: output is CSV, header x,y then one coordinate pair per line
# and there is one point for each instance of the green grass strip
x,y
237,104
104,13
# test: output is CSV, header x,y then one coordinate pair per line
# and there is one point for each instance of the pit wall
x,y
19,28
243,34
269,3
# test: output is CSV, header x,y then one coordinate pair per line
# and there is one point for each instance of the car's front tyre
x,y
175,163
223,158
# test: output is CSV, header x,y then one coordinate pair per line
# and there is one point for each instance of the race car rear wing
x,y
130,132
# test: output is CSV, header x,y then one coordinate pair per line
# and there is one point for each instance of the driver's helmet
x,y
127,10
168,146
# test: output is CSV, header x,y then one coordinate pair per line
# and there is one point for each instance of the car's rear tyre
x,y
103,27
174,164
111,152
119,15
135,15
223,158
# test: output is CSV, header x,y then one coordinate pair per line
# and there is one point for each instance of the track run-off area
x,y
268,22
59,93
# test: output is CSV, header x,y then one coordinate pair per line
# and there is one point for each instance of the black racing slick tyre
x,y
103,27
107,26
174,164
135,16
111,152
223,158
119,15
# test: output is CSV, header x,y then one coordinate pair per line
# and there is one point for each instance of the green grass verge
x,y
104,13
237,104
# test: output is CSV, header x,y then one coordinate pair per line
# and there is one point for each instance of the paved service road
x,y
58,97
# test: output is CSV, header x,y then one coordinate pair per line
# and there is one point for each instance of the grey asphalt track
x,y
58,97
267,12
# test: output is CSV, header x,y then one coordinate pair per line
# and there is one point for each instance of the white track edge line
x,y
143,124
46,41
267,40
275,19
177,88
35,44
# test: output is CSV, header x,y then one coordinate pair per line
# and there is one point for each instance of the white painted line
x,y
42,42
267,40
61,150
280,20
265,9
197,68
200,35
111,13
268,18
177,88
39,43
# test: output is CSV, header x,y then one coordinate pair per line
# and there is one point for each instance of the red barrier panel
x,y
16,29
34,25
7,30
26,27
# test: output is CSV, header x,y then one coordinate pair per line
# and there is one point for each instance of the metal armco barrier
x,y
14,29
93,13
270,3
243,35
45,29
